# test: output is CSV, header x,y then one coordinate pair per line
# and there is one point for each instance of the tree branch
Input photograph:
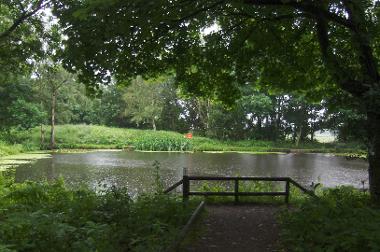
x,y
305,7
352,86
24,16
360,38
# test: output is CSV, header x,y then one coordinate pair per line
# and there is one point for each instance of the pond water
x,y
135,169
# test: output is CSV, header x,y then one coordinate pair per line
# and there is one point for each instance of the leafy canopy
x,y
216,46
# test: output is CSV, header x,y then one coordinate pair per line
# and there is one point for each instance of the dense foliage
x,y
340,220
40,216
27,102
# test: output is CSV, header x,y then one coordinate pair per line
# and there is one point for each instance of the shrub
x,y
162,143
341,220
42,216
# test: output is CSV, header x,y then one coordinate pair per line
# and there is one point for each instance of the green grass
x,y
102,137
10,149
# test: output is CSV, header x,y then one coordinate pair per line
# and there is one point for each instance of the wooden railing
x,y
186,192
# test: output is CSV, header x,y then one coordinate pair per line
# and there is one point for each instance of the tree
x,y
227,123
110,110
26,115
21,34
17,106
302,116
16,14
258,106
52,78
172,117
318,46
144,103
348,123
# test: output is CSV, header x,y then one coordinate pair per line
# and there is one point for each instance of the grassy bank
x,y
7,149
101,137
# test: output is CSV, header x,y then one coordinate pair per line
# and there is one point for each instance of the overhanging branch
x,y
24,16
306,7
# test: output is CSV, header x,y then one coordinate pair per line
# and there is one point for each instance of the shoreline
x,y
85,138
14,160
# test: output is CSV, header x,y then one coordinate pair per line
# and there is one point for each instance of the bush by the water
x,y
341,220
154,142
50,217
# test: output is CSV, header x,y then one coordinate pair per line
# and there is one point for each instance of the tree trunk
x,y
259,124
374,155
42,137
52,130
299,135
154,124
312,133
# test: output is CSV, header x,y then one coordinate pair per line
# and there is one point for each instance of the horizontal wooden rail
x,y
238,178
185,181
239,193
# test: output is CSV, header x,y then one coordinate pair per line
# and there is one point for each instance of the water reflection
x,y
135,170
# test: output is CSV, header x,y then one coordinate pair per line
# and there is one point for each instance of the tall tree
x,y
52,78
144,103
317,46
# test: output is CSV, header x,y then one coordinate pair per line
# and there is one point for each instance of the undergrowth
x,y
38,216
342,219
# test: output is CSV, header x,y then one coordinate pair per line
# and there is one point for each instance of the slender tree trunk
x,y
52,131
42,137
207,114
299,135
374,155
154,124
259,123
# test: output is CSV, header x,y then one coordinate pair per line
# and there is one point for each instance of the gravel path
x,y
238,228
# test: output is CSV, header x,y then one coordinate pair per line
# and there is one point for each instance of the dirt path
x,y
237,229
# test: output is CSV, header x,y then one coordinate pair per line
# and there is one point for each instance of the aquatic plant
x,y
162,142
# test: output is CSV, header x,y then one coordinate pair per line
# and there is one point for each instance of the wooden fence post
x,y
287,191
236,191
185,186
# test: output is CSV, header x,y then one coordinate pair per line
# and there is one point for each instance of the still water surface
x,y
135,170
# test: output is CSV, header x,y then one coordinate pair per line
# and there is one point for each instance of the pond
x,y
135,169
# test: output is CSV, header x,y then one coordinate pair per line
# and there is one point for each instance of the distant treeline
x,y
29,101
